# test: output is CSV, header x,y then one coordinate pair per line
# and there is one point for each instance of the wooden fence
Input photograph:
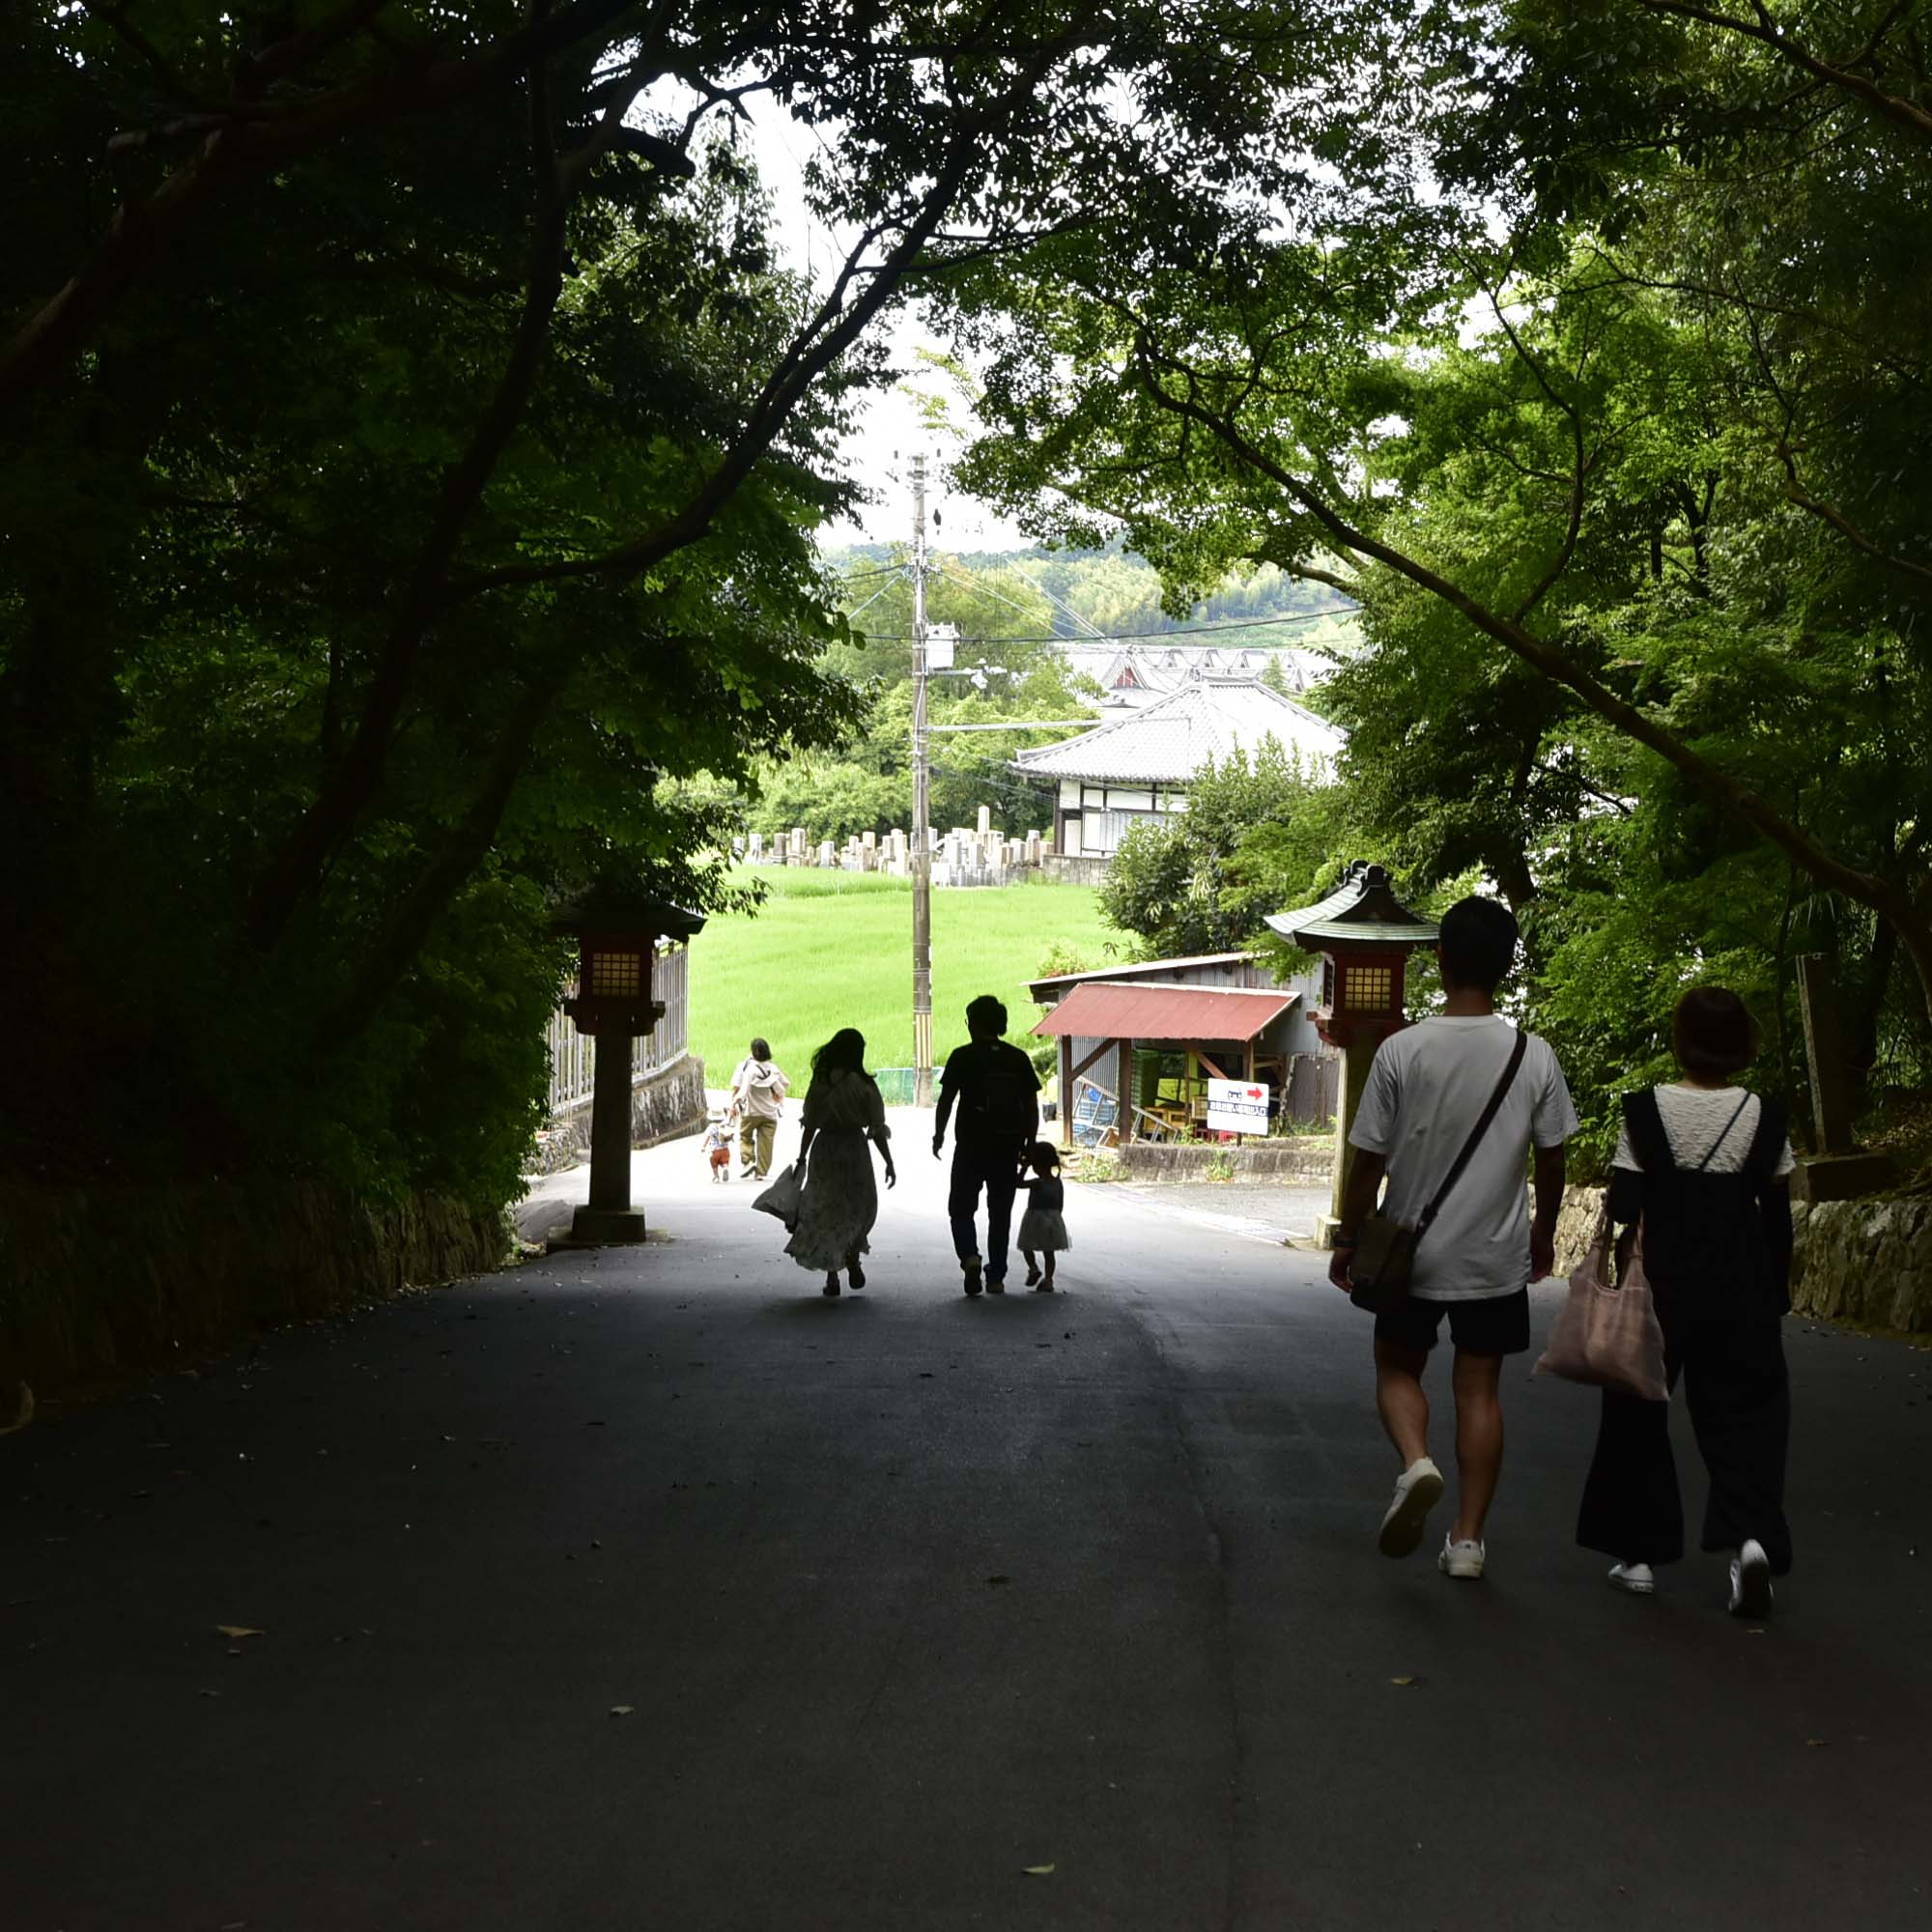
x,y
573,1056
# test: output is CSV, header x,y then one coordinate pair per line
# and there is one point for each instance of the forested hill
x,y
1118,593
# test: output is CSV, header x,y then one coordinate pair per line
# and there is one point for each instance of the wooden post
x,y
1824,1050
1123,1082
1067,1089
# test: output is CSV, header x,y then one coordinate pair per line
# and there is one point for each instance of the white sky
x,y
889,430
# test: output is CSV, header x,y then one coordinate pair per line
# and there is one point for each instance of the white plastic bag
x,y
785,1197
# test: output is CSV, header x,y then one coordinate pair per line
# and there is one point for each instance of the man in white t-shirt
x,y
1426,1091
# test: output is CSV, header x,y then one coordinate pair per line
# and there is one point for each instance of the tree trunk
x,y
1865,1006
397,945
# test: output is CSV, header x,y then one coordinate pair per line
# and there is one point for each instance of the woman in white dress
x,y
842,1113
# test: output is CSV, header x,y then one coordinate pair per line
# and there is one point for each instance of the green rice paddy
x,y
830,950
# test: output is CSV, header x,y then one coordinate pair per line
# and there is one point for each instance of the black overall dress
x,y
1716,1249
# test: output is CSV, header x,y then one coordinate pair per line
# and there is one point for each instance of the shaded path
x,y
905,1594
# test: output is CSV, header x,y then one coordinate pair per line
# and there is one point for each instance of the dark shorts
x,y
1498,1326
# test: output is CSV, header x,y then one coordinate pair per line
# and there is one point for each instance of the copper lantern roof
x,y
1363,910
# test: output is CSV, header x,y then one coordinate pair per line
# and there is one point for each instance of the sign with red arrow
x,y
1238,1107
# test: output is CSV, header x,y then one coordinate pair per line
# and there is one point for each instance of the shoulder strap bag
x,y
1384,1259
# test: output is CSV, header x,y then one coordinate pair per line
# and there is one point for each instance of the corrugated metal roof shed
x,y
1114,1012
1143,968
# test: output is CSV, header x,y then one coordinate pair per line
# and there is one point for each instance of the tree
x,y
1710,211
1258,834
411,455
1005,669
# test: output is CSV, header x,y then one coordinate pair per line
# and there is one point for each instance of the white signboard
x,y
1238,1107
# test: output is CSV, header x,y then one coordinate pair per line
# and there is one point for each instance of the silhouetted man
x,y
996,1094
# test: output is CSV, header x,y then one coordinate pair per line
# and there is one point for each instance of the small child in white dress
x,y
1044,1225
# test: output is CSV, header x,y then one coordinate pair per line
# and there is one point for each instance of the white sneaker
x,y
1462,1560
1635,1577
1417,1491
1751,1580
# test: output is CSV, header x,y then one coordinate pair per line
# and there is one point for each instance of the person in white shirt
x,y
1427,1089
759,1090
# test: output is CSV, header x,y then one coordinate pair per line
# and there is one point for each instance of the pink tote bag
x,y
1608,1334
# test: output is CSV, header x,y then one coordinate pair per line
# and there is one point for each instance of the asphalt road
x,y
647,1588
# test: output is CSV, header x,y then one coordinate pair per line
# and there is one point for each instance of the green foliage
x,y
1595,396
1259,835
1059,957
407,514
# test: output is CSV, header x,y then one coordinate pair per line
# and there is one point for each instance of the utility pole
x,y
922,810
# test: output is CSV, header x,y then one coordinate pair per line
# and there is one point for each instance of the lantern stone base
x,y
602,1228
1843,1177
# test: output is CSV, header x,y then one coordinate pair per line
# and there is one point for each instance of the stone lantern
x,y
618,930
1365,935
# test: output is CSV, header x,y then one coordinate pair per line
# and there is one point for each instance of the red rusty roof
x,y
1110,1011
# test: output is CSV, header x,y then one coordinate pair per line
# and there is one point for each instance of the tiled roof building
x,y
1133,675
1137,766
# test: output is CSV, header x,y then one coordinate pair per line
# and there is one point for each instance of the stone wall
x,y
1075,869
99,1281
1307,1162
664,1104
1868,1261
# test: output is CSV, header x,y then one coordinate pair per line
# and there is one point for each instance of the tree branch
x,y
1795,490
1347,585
294,52
1750,807
402,937
1580,465
170,76
832,330
142,232
1765,30
652,148
295,870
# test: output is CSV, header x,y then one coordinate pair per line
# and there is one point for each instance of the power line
x,y
868,605
1021,725
1131,637
1060,604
